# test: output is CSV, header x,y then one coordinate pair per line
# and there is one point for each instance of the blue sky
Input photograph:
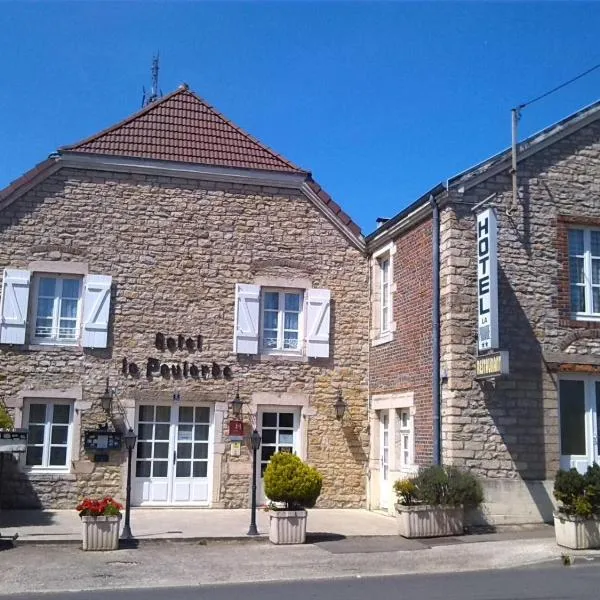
x,y
381,101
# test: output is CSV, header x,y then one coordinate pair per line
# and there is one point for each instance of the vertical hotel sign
x,y
487,280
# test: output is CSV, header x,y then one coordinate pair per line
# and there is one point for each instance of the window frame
x,y
587,285
45,467
406,432
34,301
280,321
385,324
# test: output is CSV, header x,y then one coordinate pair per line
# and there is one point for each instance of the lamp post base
x,y
252,530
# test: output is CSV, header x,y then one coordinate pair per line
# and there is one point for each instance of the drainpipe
x,y
435,341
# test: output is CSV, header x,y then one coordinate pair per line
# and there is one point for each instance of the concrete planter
x,y
287,526
101,533
14,440
576,532
429,521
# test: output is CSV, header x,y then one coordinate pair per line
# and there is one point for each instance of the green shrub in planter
x,y
6,421
578,494
289,480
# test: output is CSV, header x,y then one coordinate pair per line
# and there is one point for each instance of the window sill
x,y
36,347
585,317
383,339
274,357
48,475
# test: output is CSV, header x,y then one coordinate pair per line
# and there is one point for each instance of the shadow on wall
x,y
16,492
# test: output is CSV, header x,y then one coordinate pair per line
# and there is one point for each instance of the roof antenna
x,y
155,93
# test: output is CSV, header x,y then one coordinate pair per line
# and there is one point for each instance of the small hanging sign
x,y
236,428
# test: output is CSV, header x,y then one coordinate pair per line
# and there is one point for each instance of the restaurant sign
x,y
492,365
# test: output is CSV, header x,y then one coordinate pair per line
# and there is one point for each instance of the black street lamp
x,y
130,439
255,440
340,406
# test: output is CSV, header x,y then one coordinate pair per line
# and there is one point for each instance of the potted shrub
x,y
577,519
100,519
432,503
292,486
11,439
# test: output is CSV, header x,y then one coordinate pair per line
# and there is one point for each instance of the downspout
x,y
435,340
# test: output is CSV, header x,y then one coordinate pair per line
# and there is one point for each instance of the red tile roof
x,y
182,127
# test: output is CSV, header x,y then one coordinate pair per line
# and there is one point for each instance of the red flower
x,y
107,506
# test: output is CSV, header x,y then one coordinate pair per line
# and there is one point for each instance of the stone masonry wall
x,y
512,430
404,364
175,249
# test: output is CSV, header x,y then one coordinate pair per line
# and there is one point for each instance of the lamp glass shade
x,y
255,440
106,400
340,406
236,406
130,439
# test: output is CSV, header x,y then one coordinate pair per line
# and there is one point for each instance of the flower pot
x,y
287,526
429,521
101,533
576,532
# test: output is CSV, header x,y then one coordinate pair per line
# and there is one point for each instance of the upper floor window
x,y
584,272
281,320
57,309
384,276
49,434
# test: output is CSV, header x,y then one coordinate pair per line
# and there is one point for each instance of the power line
x,y
562,85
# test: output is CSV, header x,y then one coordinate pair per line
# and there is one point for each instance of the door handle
x,y
174,457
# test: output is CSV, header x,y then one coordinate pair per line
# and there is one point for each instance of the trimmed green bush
x,y
440,486
289,480
578,494
6,421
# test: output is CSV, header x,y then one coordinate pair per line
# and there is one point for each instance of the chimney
x,y
380,221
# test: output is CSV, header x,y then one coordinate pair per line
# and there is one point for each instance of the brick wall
x,y
404,364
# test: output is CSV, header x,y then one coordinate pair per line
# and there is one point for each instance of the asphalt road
x,y
551,582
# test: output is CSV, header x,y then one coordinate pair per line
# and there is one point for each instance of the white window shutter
x,y
13,306
96,310
317,322
247,318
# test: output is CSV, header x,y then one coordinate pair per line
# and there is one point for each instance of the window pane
x,y
595,243
70,288
160,468
270,320
184,433
577,298
575,241
269,436
161,450
286,419
36,434
37,413
290,340
286,437
43,328
34,455
45,307
163,414
58,456
201,432
572,417
266,452
142,468
146,413
292,302
270,339
186,414
161,432
60,433
595,270
184,451
200,450
184,469
272,300
67,329
200,469
144,450
269,419
596,299
291,321
385,271
202,414
61,413
47,286
384,318
68,309
145,432
576,270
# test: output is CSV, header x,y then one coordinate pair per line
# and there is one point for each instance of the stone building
x,y
514,429
161,267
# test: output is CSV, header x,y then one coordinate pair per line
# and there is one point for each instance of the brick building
x,y
516,429
166,264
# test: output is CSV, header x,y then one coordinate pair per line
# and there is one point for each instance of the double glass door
x,y
173,455
384,458
579,409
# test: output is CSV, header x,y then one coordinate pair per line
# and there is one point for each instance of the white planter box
x,y
287,526
429,521
13,441
100,533
576,532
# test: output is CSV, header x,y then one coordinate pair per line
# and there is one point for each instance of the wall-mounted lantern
x,y
236,405
340,406
107,398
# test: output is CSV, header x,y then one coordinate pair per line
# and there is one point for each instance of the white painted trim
x,y
58,267
387,401
384,338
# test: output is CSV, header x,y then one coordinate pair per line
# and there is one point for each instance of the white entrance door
x,y
279,432
384,452
579,404
173,456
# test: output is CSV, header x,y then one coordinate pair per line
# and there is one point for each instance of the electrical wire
x,y
562,85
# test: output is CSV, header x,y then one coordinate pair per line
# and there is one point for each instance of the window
x,y
584,271
281,319
57,309
277,431
384,271
49,432
405,437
